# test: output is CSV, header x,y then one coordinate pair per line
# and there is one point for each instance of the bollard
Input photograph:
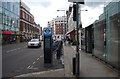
x,y
58,53
74,65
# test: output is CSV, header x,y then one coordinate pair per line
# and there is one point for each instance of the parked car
x,y
34,43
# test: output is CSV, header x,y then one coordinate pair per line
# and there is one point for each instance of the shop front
x,y
8,37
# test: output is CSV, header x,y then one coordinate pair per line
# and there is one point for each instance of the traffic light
x,y
74,12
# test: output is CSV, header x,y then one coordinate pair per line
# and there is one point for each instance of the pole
x,y
77,46
64,28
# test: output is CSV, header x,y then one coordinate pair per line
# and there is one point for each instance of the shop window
x,y
0,18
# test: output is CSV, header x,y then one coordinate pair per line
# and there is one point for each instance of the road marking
x,y
18,48
8,51
42,72
41,56
24,46
37,73
28,67
74,48
34,62
33,68
37,58
13,50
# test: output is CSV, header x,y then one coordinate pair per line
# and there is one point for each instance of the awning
x,y
7,32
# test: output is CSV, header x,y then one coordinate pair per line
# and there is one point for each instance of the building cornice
x,y
26,22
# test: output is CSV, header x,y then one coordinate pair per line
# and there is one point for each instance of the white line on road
x,y
38,73
41,56
74,48
18,48
13,50
33,68
37,58
34,62
28,67
24,46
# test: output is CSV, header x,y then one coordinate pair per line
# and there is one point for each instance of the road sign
x,y
47,31
79,1
47,46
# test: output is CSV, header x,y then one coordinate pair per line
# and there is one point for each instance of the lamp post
x,y
78,42
64,24
77,2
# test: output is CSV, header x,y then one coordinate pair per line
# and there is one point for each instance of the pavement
x,y
89,66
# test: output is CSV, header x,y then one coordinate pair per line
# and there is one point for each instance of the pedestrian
x,y
54,46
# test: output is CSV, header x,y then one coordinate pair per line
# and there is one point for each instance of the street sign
x,y
47,31
47,46
79,1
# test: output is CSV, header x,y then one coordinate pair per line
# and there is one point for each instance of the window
x,y
27,17
23,26
0,3
18,23
0,15
24,15
7,20
8,5
17,8
13,8
3,4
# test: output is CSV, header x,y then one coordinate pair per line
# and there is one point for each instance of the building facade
x,y
58,25
1,22
27,26
37,31
9,21
71,25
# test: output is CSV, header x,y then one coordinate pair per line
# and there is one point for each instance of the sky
x,y
45,10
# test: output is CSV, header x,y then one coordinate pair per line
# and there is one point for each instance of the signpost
x,y
77,2
47,46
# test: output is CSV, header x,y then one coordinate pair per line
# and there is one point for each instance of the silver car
x,y
34,43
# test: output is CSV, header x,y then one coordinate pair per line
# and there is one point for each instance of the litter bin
x,y
74,65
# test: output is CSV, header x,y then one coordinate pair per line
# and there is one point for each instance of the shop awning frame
x,y
8,32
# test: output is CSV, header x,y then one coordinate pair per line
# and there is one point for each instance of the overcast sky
x,y
46,10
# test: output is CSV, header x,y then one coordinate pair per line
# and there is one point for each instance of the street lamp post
x,y
78,42
77,28
64,25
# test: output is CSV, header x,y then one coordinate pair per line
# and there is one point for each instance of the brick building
x,y
26,22
58,25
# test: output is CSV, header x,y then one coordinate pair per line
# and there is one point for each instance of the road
x,y
17,59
